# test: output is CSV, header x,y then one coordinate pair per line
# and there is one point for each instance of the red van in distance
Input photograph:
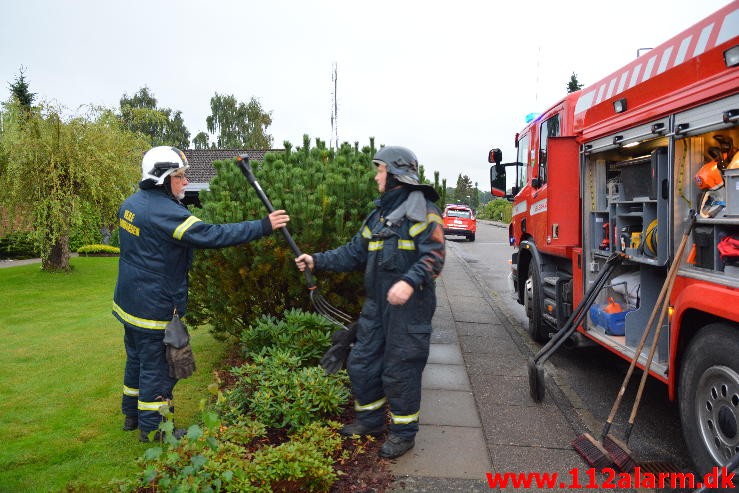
x,y
459,220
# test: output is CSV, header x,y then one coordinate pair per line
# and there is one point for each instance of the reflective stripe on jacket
x,y
411,251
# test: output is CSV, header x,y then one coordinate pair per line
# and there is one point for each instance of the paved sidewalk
x,y
15,263
476,413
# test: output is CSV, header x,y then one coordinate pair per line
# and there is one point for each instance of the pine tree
x,y
327,192
20,91
573,85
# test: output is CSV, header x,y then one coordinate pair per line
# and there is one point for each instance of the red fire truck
x,y
635,154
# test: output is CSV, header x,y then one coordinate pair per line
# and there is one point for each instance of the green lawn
x,y
61,376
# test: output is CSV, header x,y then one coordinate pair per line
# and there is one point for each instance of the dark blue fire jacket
x,y
409,251
157,237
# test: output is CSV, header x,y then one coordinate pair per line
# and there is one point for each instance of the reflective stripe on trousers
x,y
146,380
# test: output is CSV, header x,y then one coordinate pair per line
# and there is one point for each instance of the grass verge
x,y
61,375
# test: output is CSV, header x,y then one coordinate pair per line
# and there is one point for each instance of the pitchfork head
x,y
328,311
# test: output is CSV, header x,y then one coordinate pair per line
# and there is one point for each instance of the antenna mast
x,y
334,141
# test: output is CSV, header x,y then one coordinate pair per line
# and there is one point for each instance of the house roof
x,y
201,163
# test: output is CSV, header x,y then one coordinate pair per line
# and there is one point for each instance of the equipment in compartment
x,y
703,241
649,245
731,179
613,323
627,285
605,243
638,178
728,248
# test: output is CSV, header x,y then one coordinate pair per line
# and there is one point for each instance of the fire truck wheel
x,y
532,304
471,237
709,396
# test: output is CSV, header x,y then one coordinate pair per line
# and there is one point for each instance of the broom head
x,y
619,453
592,451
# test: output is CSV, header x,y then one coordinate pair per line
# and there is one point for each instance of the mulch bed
x,y
363,472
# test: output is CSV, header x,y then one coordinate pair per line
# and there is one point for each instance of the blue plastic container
x,y
613,323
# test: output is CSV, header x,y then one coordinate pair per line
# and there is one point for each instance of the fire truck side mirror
x,y
495,156
497,179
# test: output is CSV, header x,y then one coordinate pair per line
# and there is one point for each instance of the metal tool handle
x,y
243,163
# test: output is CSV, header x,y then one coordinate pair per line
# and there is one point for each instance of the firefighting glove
x,y
175,333
179,354
335,358
181,361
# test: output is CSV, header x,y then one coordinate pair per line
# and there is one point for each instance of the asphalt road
x,y
590,375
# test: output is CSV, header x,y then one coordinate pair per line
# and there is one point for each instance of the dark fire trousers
x,y
387,361
146,381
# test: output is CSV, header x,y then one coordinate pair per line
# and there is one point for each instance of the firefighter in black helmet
x,y
401,248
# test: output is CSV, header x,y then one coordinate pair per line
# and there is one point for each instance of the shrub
x,y
496,210
18,246
307,335
327,194
216,457
98,249
114,239
278,392
291,466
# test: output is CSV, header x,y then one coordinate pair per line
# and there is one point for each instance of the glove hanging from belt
x,y
335,358
179,354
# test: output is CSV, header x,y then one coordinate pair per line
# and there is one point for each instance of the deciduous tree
x,y
200,141
238,125
57,168
163,126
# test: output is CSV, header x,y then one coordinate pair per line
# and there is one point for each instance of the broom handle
x,y
662,295
663,313
243,162
645,374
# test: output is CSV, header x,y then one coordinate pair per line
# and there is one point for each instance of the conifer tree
x,y
327,193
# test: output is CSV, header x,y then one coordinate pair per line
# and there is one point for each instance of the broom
x,y
592,450
618,449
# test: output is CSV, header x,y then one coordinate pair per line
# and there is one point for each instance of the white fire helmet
x,y
160,162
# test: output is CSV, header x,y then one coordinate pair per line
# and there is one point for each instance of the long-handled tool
x,y
536,372
323,307
618,449
592,450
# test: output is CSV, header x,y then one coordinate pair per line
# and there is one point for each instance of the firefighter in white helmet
x,y
157,237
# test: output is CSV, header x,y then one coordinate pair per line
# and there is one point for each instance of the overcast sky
x,y
449,80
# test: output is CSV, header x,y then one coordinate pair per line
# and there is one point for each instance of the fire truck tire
x,y
471,237
709,396
532,303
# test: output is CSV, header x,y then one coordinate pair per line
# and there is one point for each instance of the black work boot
x,y
144,435
357,428
130,423
395,446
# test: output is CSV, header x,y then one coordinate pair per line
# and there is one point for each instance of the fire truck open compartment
x,y
638,188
